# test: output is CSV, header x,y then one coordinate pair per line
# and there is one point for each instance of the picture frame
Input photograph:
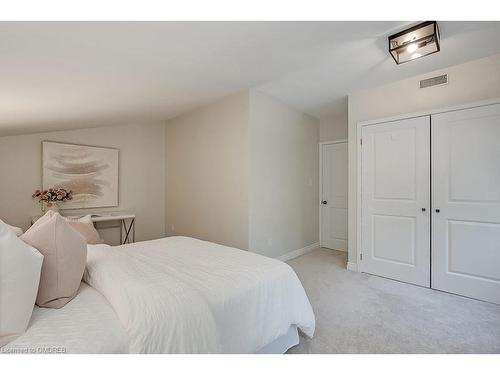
x,y
90,172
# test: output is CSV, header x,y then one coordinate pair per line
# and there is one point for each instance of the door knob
x,y
423,209
438,210
324,202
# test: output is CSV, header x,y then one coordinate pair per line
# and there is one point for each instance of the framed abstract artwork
x,y
90,172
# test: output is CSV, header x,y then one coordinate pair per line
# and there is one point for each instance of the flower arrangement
x,y
47,198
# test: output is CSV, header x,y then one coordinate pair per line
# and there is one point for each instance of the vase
x,y
46,206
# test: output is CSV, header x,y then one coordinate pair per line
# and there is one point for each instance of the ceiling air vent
x,y
434,81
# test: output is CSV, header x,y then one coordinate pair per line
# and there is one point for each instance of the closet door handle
x,y
324,202
438,210
423,209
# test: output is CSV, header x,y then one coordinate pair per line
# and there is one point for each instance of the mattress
x,y
87,324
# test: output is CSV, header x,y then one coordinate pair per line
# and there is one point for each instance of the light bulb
x,y
412,47
416,55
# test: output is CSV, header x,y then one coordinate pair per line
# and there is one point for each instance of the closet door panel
x,y
396,200
466,202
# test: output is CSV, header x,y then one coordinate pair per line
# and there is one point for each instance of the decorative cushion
x,y
85,227
65,258
20,266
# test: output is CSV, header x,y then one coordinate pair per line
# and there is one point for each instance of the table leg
x,y
127,231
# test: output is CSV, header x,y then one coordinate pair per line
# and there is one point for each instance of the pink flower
x,y
53,195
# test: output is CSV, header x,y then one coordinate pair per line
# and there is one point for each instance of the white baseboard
x,y
352,266
296,253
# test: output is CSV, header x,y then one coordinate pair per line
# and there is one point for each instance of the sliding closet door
x,y
396,200
466,202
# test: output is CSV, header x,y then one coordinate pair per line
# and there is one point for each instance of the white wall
x,y
473,81
333,125
207,173
244,172
283,189
141,174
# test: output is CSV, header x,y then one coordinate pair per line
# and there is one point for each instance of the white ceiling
x,y
71,74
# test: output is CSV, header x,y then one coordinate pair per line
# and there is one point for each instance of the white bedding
x,y
87,324
182,295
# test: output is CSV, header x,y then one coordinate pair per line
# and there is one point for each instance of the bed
x,y
178,295
86,325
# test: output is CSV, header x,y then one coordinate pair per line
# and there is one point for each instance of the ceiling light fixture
x,y
412,47
417,41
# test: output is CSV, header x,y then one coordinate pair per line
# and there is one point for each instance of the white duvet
x,y
182,295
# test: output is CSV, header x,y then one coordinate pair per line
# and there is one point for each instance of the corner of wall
x,y
283,183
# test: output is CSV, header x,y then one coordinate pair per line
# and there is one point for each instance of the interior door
x,y
466,202
395,215
334,196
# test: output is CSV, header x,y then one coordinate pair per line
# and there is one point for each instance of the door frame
x,y
320,148
358,264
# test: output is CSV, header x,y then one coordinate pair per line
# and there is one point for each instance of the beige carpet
x,y
359,313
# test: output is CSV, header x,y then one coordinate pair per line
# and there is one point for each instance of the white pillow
x,y
16,230
20,267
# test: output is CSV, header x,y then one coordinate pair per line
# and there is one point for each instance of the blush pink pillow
x,y
85,227
65,257
82,225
